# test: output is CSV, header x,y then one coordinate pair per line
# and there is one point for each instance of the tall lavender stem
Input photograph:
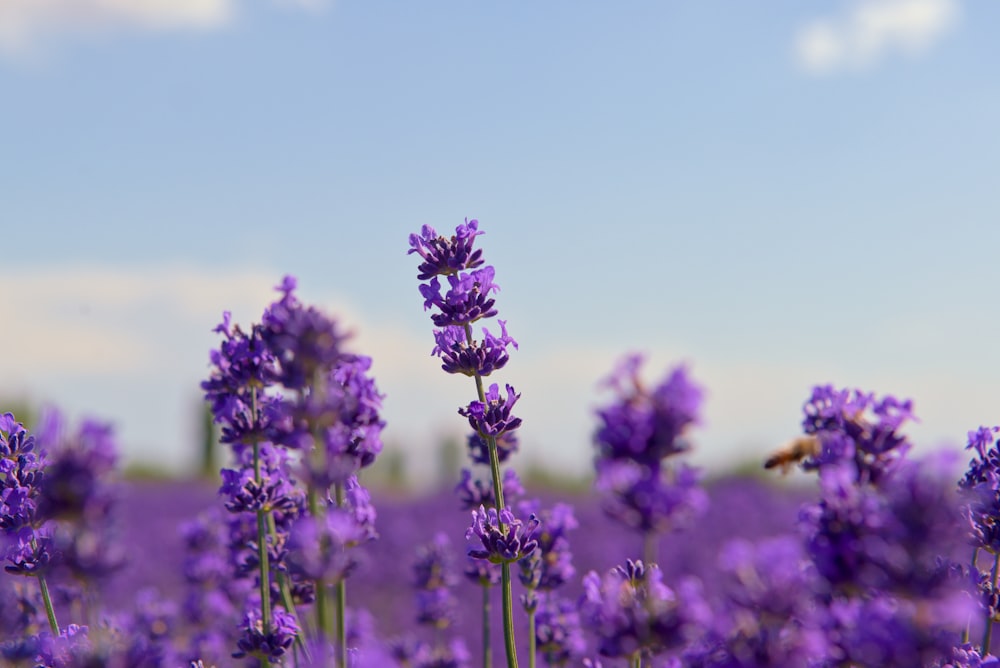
x,y
265,569
50,612
487,607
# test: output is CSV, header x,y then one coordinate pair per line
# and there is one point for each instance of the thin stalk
x,y
637,660
532,641
341,593
506,597
988,633
508,616
487,606
975,561
286,595
262,557
50,612
322,617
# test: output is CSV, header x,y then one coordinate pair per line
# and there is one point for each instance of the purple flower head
x,y
433,578
267,646
493,418
631,611
985,466
303,340
858,427
446,256
503,537
246,495
459,355
558,634
481,571
474,492
32,551
242,363
551,564
466,301
884,631
887,537
479,448
643,425
320,549
649,500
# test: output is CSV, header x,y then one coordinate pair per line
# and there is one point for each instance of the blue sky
x,y
779,197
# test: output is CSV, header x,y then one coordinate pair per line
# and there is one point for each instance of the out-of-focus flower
x,y
631,612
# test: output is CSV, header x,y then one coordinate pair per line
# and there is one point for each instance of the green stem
x,y
988,632
637,660
262,557
975,561
508,615
50,612
532,641
341,593
487,606
505,582
265,568
286,594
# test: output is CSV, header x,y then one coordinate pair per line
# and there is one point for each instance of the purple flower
x,y
648,500
493,417
471,358
319,549
887,537
466,301
643,425
473,492
558,634
433,578
504,538
479,448
632,612
857,427
446,256
268,645
302,340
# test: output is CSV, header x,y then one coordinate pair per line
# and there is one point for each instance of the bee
x,y
793,453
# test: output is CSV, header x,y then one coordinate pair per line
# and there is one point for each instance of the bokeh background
x,y
777,195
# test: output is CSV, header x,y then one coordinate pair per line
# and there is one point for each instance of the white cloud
x,y
24,23
872,29
27,24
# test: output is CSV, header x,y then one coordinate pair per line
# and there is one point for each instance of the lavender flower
x,y
267,645
493,417
504,538
633,613
858,427
558,633
460,355
446,256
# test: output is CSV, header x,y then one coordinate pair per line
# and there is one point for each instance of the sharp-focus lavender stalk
x,y
981,486
638,432
22,471
465,301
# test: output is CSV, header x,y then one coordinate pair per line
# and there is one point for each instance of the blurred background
x,y
777,196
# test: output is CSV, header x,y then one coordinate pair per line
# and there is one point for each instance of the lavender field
x,y
288,558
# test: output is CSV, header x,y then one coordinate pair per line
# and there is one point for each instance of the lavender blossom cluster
x,y
887,563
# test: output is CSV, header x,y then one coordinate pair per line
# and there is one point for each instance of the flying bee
x,y
793,453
